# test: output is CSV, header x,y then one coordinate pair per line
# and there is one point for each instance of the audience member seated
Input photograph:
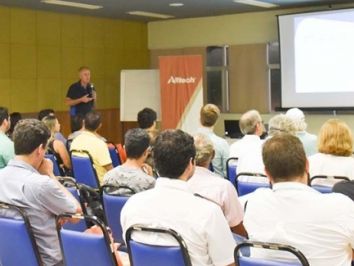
x,y
171,204
14,118
45,112
248,150
308,140
56,147
6,145
320,225
335,146
147,120
28,182
281,124
209,115
77,126
90,141
213,187
134,173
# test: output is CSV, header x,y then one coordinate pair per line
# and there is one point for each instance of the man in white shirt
x,y
209,114
320,225
248,150
171,204
215,188
308,140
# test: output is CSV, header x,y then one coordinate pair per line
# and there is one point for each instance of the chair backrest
x,y
17,242
84,249
83,170
112,205
325,189
244,187
141,254
113,152
56,167
249,261
231,169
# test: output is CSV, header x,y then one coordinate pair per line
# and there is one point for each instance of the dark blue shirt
x,y
77,91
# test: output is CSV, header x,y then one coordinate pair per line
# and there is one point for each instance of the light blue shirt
x,y
42,199
221,148
7,150
309,141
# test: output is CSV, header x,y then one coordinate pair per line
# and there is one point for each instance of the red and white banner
x,y
181,91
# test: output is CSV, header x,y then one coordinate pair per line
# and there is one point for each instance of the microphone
x,y
92,88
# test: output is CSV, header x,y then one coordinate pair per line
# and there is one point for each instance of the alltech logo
x,y
180,80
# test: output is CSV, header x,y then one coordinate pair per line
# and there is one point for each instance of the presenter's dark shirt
x,y
77,91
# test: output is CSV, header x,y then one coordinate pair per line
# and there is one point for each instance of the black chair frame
x,y
27,223
171,232
91,220
91,161
343,178
227,165
271,246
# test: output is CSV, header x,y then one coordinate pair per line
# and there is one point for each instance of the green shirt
x,y
7,150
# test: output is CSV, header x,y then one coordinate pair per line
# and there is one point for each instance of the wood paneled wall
x,y
248,75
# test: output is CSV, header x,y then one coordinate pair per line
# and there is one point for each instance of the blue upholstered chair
x,y
17,242
249,261
113,152
82,167
141,254
56,167
231,169
245,187
84,249
112,205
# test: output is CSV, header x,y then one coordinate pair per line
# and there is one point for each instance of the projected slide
x,y
324,53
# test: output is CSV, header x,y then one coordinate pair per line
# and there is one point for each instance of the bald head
x,y
251,123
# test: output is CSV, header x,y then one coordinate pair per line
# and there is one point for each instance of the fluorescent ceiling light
x,y
71,4
256,3
176,4
149,14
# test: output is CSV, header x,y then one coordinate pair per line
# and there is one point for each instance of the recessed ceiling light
x,y
149,14
176,4
71,4
256,3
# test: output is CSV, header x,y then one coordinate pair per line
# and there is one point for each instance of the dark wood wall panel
x,y
248,76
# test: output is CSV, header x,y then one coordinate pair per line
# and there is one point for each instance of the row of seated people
x,y
202,207
335,146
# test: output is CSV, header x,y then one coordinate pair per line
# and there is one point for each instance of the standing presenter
x,y
81,95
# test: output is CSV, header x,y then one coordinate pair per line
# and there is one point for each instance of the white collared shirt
x,y
321,226
200,222
218,190
330,165
248,150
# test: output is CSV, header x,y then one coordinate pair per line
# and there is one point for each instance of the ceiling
x,y
192,8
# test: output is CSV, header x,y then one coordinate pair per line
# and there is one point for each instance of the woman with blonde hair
x,y
56,147
335,146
